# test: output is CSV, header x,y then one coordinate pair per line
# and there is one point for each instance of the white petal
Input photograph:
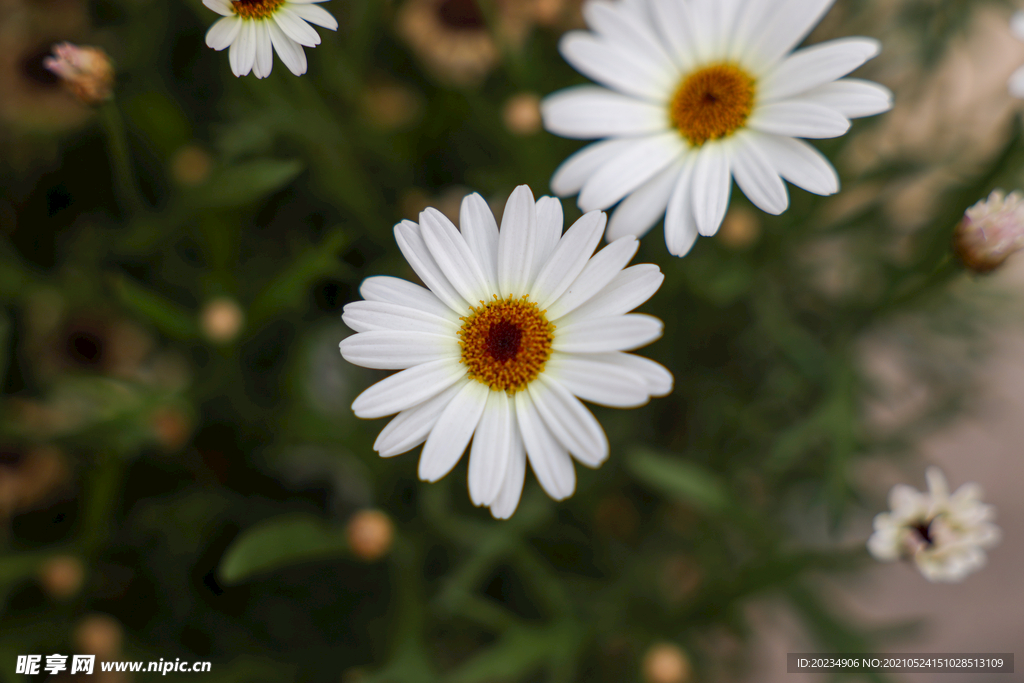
x,y
512,485
800,163
481,234
450,436
391,350
680,223
223,32
626,291
1017,24
314,15
517,243
492,449
618,67
641,210
593,379
640,162
571,175
550,221
658,378
599,271
588,111
290,52
800,119
851,97
548,458
410,428
223,7
407,388
601,335
784,24
394,290
415,250
264,49
816,65
756,177
675,22
569,258
624,25
295,28
242,54
712,184
569,421
364,316
453,256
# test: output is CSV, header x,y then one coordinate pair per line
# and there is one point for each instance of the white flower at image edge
x,y
515,327
945,535
1016,84
698,92
255,29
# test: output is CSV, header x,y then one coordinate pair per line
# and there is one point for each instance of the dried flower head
x,y
85,71
991,231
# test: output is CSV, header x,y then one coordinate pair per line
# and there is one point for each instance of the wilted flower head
x,y
991,231
945,535
85,71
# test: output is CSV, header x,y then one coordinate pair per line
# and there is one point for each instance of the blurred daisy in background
x,y
1016,83
945,535
696,93
514,327
254,29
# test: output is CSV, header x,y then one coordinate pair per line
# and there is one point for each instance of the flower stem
x,y
128,196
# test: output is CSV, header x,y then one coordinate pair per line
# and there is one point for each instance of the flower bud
x,y
990,231
85,71
369,533
61,576
221,320
666,663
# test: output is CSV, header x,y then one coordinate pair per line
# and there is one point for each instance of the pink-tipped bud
x,y
991,231
85,71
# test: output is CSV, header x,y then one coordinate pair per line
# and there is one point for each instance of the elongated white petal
x,y
222,7
515,474
549,460
712,185
549,230
450,436
223,32
796,118
364,316
517,242
638,212
680,223
575,171
492,449
598,381
851,97
480,231
658,378
415,250
631,169
242,53
394,290
410,428
569,421
295,28
453,256
290,52
407,388
601,335
816,65
678,30
617,67
756,177
783,24
392,350
598,272
626,291
800,163
587,112
569,258
264,49
620,23
314,15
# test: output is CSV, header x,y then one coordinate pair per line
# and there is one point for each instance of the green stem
x,y
125,186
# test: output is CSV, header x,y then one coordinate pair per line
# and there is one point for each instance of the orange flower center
x,y
506,342
712,103
256,9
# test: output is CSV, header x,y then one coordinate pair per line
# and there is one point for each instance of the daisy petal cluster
x,y
696,93
945,535
513,328
254,29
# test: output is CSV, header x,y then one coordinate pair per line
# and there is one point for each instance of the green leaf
x,y
679,479
279,542
244,183
168,317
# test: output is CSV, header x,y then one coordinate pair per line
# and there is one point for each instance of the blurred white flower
x,y
254,29
698,92
945,535
515,327
1016,84
991,231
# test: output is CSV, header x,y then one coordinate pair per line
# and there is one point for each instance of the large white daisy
x,y
699,92
254,29
514,327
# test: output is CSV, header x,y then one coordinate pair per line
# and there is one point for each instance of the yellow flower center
x,y
256,9
506,342
712,103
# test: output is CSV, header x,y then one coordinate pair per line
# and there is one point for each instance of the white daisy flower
x,y
945,535
1016,84
514,327
254,29
699,92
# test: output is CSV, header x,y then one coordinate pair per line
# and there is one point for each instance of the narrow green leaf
x,y
679,479
244,183
168,317
279,542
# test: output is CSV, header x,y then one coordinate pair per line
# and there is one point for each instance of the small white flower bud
x,y
85,71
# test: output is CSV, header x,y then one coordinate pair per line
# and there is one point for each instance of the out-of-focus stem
x,y
125,185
